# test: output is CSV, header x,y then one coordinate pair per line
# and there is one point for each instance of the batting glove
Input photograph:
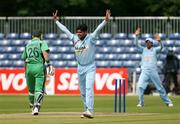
x,y
50,70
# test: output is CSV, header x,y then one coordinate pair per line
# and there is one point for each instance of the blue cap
x,y
150,40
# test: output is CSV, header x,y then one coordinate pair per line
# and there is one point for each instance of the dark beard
x,y
82,38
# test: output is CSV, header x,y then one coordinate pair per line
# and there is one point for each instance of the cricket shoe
x,y
170,105
82,116
140,105
88,114
35,111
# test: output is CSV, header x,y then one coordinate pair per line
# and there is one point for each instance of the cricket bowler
x,y
84,45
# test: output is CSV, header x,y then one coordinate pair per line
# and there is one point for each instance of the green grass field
x,y
14,109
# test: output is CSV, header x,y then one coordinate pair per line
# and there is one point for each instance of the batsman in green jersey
x,y
35,56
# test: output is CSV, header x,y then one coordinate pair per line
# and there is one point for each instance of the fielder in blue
x,y
149,70
84,45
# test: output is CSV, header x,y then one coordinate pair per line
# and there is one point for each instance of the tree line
x,y
90,7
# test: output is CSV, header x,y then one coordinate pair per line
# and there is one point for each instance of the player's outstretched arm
x,y
100,26
61,26
158,38
108,15
55,16
137,33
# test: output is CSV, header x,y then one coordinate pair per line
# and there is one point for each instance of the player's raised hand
x,y
108,15
157,37
55,16
138,31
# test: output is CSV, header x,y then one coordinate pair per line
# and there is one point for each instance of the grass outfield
x,y
67,109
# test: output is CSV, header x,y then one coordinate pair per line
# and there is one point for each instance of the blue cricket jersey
x,y
149,56
84,49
